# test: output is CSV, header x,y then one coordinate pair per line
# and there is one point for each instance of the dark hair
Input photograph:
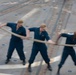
x,y
74,35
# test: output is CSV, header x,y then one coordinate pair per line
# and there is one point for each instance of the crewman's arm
x,y
4,24
51,42
48,38
7,24
66,35
58,37
27,34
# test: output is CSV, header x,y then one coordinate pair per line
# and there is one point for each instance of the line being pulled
x,y
69,45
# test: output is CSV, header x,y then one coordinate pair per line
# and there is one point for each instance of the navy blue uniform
x,y
68,50
16,42
39,46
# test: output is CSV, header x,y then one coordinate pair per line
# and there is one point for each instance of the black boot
x,y
49,67
58,72
23,62
29,68
7,61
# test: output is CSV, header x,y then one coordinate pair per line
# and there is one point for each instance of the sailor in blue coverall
x,y
39,34
70,39
16,42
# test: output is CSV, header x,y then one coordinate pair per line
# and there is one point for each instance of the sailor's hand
x,y
22,37
1,25
27,37
51,42
56,43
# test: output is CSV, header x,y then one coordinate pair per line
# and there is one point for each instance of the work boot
x,y
29,68
49,67
58,73
7,61
23,62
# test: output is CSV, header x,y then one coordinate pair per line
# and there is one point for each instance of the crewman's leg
x,y
10,51
33,55
32,58
73,55
46,58
63,58
45,55
20,52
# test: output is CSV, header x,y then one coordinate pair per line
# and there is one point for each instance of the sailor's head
x,y
42,27
20,23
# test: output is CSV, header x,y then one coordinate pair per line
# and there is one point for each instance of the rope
x,y
69,45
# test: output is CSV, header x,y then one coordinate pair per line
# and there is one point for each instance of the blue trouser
x,y
65,54
19,49
43,52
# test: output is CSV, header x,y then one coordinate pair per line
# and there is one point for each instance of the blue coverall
x,y
68,50
39,46
16,42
